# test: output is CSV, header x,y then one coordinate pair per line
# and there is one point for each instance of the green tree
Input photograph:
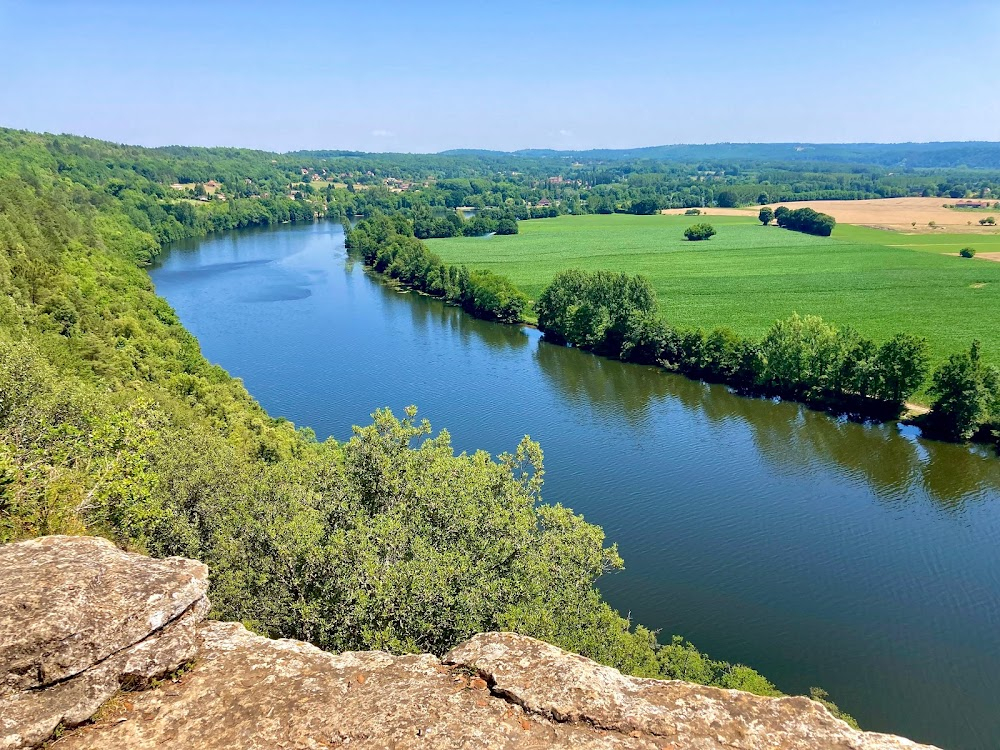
x,y
965,391
766,215
697,232
902,364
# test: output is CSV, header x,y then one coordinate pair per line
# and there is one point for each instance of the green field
x,y
749,275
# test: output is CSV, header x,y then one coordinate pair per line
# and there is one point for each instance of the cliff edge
x,y
101,648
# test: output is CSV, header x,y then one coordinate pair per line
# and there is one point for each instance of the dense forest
x,y
112,423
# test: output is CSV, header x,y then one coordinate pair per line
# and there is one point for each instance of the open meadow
x,y
748,275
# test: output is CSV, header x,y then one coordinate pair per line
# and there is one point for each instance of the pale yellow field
x,y
899,214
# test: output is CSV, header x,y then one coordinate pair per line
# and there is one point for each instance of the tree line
x,y
800,358
387,245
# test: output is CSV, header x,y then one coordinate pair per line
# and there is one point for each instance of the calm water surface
x,y
861,559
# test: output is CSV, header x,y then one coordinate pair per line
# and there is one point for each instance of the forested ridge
x,y
112,423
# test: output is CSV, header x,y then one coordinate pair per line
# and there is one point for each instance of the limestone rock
x,y
80,618
254,693
547,681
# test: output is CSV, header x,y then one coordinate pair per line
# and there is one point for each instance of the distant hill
x,y
973,154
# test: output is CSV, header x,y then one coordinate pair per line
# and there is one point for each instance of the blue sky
x,y
426,76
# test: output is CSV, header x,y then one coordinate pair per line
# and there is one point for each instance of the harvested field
x,y
911,215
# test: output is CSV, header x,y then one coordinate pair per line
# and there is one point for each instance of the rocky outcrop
x,y
80,620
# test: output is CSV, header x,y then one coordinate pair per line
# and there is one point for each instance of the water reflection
x,y
430,315
606,386
791,437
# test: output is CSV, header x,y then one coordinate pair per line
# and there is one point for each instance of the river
x,y
862,559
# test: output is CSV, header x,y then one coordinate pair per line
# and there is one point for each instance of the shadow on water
x,y
792,438
430,315
607,386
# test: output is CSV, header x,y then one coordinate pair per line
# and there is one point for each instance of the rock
x,y
79,619
119,620
547,681
254,693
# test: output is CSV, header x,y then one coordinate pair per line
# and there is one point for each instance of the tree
x,y
727,199
698,232
646,206
902,363
967,252
766,215
988,221
966,394
506,226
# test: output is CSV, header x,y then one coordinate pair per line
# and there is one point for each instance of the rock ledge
x,y
80,621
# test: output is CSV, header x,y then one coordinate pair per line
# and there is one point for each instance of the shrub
x,y
967,252
693,212
697,232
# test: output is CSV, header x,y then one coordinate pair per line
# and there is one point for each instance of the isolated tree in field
x,y
967,252
988,221
966,394
697,232
766,215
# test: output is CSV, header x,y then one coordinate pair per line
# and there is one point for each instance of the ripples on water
x,y
822,552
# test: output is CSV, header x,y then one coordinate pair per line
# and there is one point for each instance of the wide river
x,y
861,559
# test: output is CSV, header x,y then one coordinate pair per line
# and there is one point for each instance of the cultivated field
x,y
748,275
899,214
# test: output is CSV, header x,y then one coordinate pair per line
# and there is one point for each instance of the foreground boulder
x,y
497,690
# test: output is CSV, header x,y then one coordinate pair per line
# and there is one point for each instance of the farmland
x,y
748,275
909,215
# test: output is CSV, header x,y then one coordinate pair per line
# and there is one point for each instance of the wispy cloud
x,y
566,133
382,133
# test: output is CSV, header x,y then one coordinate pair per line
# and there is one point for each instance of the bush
x,y
967,252
697,232
693,212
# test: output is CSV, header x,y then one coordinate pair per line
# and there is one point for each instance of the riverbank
x,y
813,548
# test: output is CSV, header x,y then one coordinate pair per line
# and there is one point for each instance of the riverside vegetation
x,y
801,358
112,423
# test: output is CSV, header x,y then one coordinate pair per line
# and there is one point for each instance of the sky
x,y
428,76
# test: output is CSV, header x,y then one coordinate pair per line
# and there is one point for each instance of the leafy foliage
x,y
387,244
805,220
697,232
799,358
967,395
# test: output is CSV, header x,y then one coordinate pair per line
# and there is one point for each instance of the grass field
x,y
749,275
